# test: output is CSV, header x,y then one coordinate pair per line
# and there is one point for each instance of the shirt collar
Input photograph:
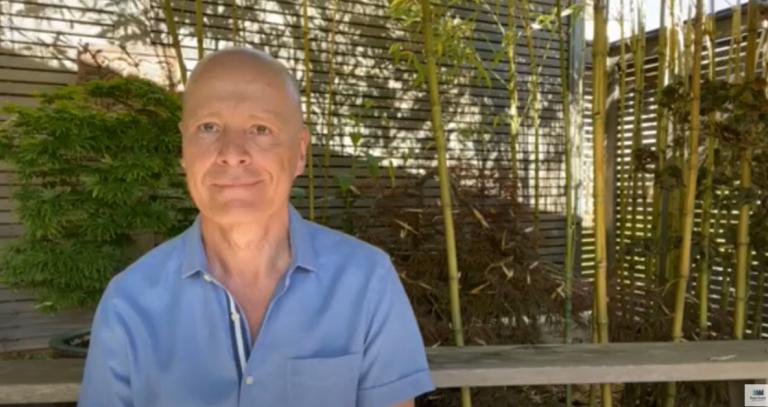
x,y
302,250
303,254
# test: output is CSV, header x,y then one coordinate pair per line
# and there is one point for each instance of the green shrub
x,y
98,167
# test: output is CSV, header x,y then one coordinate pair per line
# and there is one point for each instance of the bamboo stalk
x,y
514,119
170,23
690,180
688,44
674,212
598,113
690,190
235,23
445,192
745,181
199,28
742,249
666,215
533,85
308,109
675,206
594,389
734,52
600,62
674,38
329,111
706,210
569,218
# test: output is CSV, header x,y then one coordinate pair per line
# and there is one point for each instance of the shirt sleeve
x,y
106,379
394,361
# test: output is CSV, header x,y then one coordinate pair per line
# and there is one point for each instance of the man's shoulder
x,y
333,245
148,271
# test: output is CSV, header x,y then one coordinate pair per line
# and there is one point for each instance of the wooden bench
x,y
57,380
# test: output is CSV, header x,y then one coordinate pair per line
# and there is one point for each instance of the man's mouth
x,y
235,184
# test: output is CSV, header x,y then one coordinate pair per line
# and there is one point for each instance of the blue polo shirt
x,y
338,331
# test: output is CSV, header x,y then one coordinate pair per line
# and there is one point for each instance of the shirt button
x,y
235,317
249,380
206,278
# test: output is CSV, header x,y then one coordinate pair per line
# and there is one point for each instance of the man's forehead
x,y
243,103
211,109
236,78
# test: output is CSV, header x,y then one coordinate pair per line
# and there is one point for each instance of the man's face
x,y
243,142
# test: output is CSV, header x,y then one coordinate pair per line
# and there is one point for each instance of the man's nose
x,y
232,150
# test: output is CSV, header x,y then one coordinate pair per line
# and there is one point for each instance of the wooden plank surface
x,y
13,307
46,330
34,315
9,294
57,380
23,327
587,363
40,381
23,345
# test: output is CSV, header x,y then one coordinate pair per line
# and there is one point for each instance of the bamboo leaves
x,y
454,52
736,121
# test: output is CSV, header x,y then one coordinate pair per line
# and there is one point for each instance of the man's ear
x,y
304,140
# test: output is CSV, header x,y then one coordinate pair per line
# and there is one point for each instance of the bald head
x,y
243,65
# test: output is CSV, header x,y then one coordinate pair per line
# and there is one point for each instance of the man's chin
x,y
240,212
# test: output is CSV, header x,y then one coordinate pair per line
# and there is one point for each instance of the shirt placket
x,y
240,332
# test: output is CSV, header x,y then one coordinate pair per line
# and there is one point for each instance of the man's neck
x,y
248,252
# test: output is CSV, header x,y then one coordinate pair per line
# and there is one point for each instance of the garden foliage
x,y
98,173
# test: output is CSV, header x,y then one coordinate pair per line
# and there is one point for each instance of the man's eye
x,y
261,130
208,128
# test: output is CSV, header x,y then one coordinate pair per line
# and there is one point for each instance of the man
x,y
252,305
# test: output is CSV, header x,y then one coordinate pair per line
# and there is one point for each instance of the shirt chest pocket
x,y
323,382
